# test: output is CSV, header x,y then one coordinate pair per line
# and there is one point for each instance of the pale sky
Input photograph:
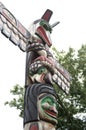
x,y
71,32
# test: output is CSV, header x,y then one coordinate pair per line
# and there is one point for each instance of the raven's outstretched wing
x,y
13,29
62,78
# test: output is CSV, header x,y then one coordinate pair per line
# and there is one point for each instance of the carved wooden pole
x,y
42,70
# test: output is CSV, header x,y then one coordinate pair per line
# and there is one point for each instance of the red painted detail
x,y
51,113
42,33
34,127
8,18
47,15
42,78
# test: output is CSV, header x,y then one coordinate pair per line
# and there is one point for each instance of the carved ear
x,y
47,15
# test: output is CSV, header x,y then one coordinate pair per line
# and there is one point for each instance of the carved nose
x,y
48,78
53,108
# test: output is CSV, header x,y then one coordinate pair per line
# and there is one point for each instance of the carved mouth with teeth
x,y
51,113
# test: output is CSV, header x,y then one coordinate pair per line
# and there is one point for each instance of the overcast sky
x,y
71,32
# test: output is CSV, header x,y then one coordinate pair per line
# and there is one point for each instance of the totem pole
x,y
42,70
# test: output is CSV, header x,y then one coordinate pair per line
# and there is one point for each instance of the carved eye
x,y
50,102
31,73
41,70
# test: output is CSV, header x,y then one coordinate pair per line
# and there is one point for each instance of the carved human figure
x,y
41,111
48,108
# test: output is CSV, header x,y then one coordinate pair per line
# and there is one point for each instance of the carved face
x,y
44,35
40,72
39,75
48,106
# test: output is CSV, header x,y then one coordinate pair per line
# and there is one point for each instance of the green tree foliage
x,y
18,100
75,102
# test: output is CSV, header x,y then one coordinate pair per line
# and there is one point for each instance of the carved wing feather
x,y
13,29
62,78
